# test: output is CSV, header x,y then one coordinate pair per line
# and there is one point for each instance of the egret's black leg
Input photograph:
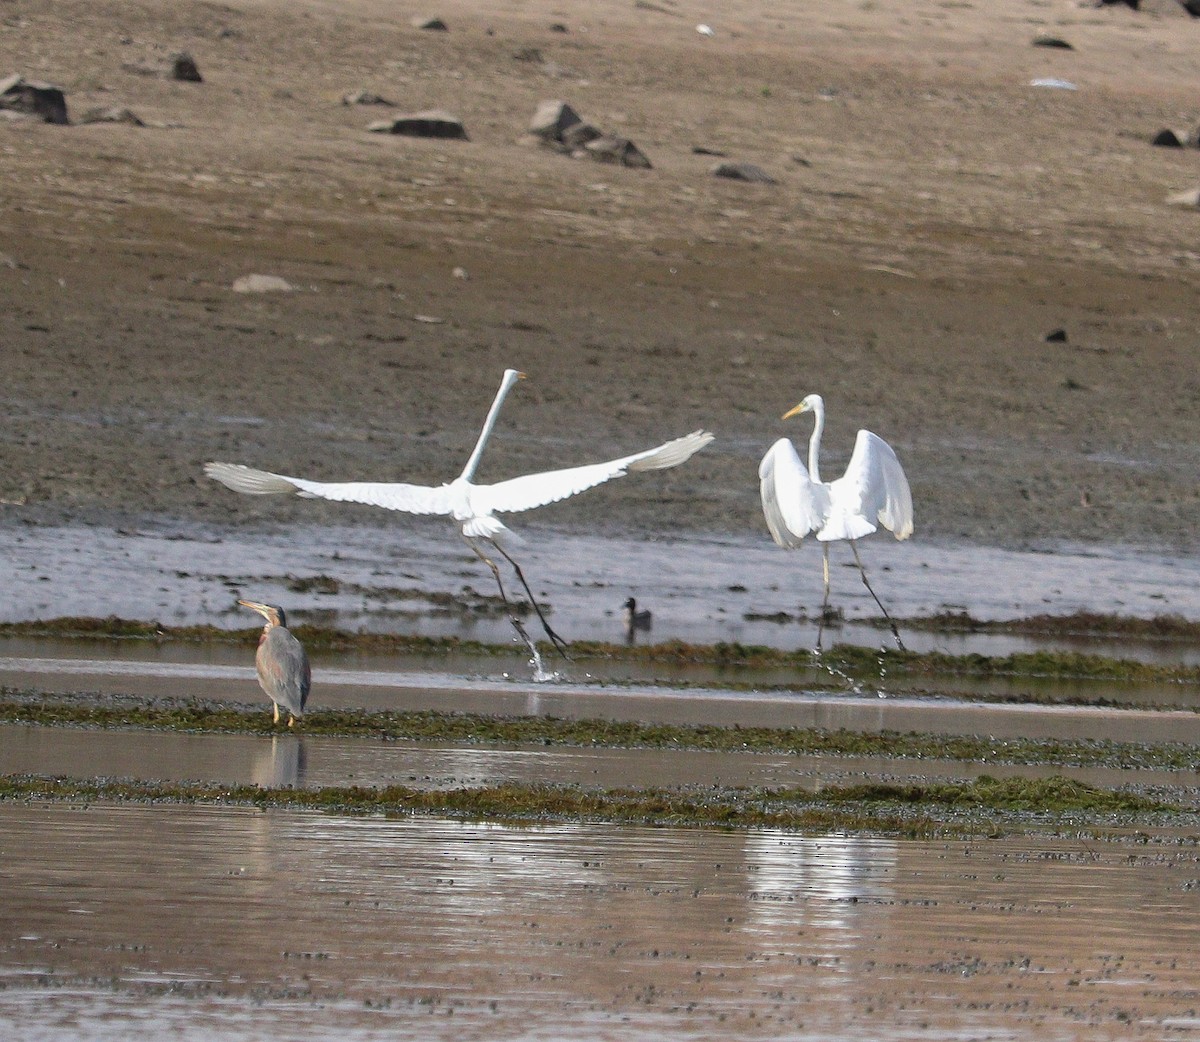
x,y
516,623
863,572
555,639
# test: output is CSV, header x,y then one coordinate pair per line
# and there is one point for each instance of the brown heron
x,y
283,669
473,506
872,492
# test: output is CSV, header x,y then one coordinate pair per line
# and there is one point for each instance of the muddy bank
x,y
935,218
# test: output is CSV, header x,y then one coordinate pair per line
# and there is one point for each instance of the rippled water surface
x,y
217,923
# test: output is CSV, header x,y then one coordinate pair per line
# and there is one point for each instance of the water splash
x,y
540,674
881,692
835,672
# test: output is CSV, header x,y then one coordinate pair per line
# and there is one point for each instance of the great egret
x,y
283,670
873,491
473,506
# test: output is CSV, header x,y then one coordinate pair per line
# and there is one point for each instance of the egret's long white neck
x,y
511,376
814,443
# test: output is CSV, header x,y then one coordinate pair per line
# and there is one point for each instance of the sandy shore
x,y
935,217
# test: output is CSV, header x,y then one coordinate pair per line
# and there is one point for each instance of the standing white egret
x,y
473,506
873,491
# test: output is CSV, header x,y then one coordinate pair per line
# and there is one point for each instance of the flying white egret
x,y
872,492
472,505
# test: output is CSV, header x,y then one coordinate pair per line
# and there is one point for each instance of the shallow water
x,y
870,709
218,923
701,590
303,761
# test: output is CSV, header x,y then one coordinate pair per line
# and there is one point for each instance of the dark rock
x,y
433,25
364,97
577,135
617,150
1191,6
704,150
552,119
1056,42
184,68
111,114
1056,336
1167,139
558,27
529,54
35,99
743,172
432,123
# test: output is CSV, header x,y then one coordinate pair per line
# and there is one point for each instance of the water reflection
x,y
207,923
820,881
283,764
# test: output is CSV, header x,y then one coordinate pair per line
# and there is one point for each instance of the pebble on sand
x,y
743,172
551,120
1167,138
433,123
618,150
18,94
433,25
559,126
112,114
261,284
1190,198
1055,42
364,97
184,68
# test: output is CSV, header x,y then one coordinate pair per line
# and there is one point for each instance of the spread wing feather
x,y
876,481
535,490
412,499
792,503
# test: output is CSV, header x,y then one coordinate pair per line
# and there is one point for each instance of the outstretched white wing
x,y
413,499
535,490
876,483
792,504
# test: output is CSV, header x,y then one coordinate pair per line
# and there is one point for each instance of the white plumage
x,y
872,492
472,505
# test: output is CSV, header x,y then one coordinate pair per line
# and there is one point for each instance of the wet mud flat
x,y
233,923
417,578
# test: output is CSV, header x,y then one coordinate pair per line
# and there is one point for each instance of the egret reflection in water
x,y
817,880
